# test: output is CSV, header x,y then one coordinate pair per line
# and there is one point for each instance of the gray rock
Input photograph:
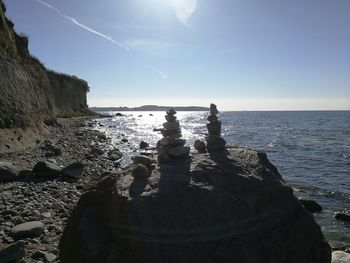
x,y
200,146
214,128
140,171
224,207
115,154
46,169
171,112
170,117
49,257
12,252
171,133
342,216
340,257
27,230
215,143
8,172
171,125
141,159
311,205
74,171
213,109
179,152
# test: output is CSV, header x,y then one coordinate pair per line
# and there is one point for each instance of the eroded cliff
x,y
31,95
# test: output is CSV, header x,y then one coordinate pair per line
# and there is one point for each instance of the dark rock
x,y
96,151
27,230
140,159
229,206
46,169
8,172
118,114
214,128
215,143
179,152
115,154
311,205
140,171
74,171
200,146
342,216
12,252
143,145
340,257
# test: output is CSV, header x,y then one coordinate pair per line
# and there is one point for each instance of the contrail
x,y
73,20
162,74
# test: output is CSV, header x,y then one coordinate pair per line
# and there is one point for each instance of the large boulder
x,y
229,206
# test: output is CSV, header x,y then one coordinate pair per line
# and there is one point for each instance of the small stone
x,y
340,257
140,171
170,117
311,205
115,154
74,171
8,172
27,230
12,252
96,151
200,146
141,159
48,257
179,152
143,145
46,169
342,216
172,125
213,109
171,112
214,128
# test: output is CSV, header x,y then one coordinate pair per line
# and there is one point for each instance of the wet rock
x,y
115,154
140,171
46,169
27,230
340,257
342,216
143,145
12,252
8,172
311,205
74,171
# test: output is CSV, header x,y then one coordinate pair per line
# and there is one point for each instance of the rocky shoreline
x,y
33,198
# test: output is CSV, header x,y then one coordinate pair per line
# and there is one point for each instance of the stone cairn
x,y
171,145
214,141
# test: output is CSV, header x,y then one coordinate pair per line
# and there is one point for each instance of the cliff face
x,y
29,93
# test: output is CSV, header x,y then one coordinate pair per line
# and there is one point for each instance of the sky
x,y
238,54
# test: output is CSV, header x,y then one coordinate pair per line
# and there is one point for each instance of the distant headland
x,y
151,108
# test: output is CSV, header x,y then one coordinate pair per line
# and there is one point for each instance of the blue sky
x,y
239,54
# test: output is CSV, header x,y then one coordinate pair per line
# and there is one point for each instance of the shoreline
x,y
51,200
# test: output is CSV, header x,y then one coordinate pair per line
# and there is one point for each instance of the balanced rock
x,y
8,172
140,171
29,229
200,146
141,159
224,207
214,141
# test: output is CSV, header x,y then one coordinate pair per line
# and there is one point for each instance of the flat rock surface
x,y
228,206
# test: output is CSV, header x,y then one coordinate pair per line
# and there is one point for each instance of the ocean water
x,y
310,149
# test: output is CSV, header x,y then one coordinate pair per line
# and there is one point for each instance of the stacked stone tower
x,y
214,141
171,145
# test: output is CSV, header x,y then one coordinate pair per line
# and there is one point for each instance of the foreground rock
x,y
27,230
311,205
226,207
340,257
13,252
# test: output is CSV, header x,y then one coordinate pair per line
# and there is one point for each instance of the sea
x,y
311,150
